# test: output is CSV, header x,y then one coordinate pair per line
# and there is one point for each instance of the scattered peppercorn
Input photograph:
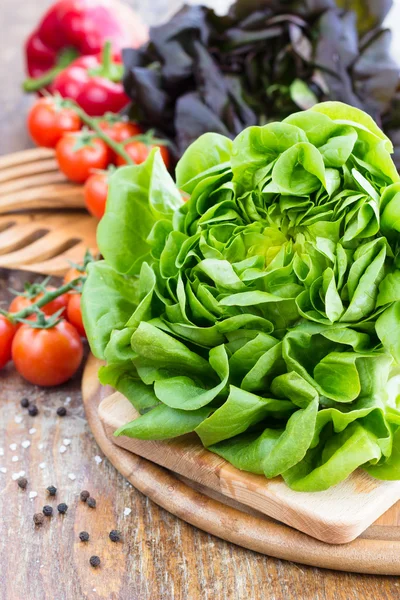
x,y
115,536
38,518
84,536
62,508
24,402
22,482
33,410
94,561
91,502
84,495
61,411
47,511
52,490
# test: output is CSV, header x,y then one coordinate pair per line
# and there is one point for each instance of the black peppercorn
x,y
38,518
47,511
91,502
22,482
52,490
114,535
61,411
33,410
62,508
84,536
24,402
94,561
84,495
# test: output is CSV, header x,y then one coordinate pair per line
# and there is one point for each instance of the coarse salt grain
x,y
1,451
98,459
32,495
71,476
13,447
25,444
15,459
67,442
67,400
63,449
16,476
3,470
127,512
42,465
18,419
41,446
32,430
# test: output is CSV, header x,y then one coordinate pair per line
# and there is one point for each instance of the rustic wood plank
x,y
162,557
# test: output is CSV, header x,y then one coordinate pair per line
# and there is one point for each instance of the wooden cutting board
x,y
226,506
43,224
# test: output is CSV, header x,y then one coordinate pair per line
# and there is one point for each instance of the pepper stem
x,y
65,58
108,68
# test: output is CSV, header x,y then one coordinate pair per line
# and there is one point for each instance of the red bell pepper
x,y
94,82
73,28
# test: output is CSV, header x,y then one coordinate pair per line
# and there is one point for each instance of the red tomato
x,y
48,121
21,302
47,357
73,273
95,194
120,131
7,332
79,153
139,151
74,313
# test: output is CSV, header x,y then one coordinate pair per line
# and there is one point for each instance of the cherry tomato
x,y
119,131
48,120
7,332
139,151
73,273
79,153
47,357
74,313
21,302
95,193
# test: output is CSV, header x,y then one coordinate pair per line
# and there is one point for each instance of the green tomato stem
x,y
46,298
92,123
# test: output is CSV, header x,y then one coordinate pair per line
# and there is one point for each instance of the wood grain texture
x,y
31,180
378,551
162,557
336,516
46,242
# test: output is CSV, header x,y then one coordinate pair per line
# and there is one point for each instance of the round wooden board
x,y
376,551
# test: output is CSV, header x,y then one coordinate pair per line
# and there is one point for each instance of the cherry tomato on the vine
x,y
95,193
78,154
74,313
73,273
7,333
47,357
119,131
139,151
48,120
20,302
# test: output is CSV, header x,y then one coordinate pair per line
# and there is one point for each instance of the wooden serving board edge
x,y
335,516
376,551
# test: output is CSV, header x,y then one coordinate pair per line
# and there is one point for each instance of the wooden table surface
x,y
161,557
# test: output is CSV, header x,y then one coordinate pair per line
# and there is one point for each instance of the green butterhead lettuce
x,y
263,314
